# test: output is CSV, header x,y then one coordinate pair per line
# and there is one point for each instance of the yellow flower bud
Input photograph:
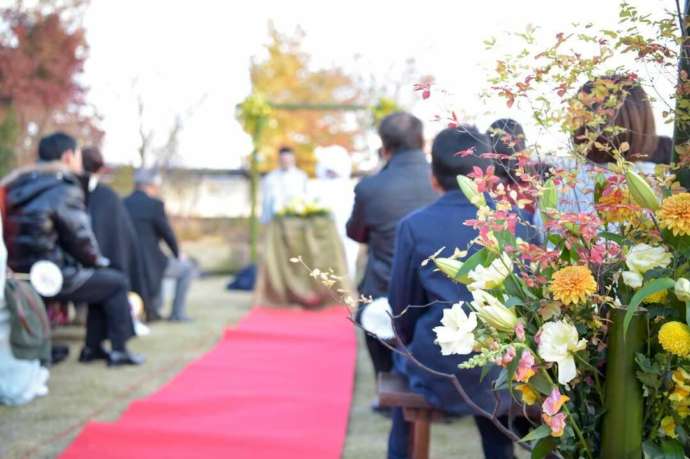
x,y
640,190
549,196
449,267
469,189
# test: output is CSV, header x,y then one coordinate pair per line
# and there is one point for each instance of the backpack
x,y
29,325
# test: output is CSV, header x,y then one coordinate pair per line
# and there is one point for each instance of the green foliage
x,y
9,135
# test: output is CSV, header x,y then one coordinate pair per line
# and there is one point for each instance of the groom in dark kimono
x,y
418,236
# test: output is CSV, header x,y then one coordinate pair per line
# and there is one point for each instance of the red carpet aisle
x,y
277,386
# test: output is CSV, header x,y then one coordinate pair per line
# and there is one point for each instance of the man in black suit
x,y
152,226
381,201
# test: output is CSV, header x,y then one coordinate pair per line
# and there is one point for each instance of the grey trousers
x,y
183,271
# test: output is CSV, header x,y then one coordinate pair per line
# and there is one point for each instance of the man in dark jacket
x,y
419,235
401,187
152,226
112,224
47,220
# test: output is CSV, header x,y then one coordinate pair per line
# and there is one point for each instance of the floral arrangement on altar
x,y
303,208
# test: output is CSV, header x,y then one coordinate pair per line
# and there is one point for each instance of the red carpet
x,y
277,386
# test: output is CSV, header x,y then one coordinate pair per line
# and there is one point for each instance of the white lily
x,y
493,312
486,278
558,343
456,333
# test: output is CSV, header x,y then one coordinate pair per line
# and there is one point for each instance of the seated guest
x,y
112,224
20,380
381,200
419,235
152,225
47,220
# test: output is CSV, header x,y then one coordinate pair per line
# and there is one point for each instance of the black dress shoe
x,y
89,354
119,358
58,353
180,319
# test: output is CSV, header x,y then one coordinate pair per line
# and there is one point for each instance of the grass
x,y
79,393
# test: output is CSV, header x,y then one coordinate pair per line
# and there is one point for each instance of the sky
x,y
191,58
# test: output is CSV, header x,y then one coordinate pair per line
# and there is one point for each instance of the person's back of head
x,y
148,180
60,147
507,136
92,160
616,110
447,161
401,131
664,151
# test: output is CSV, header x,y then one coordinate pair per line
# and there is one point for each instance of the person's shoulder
x,y
368,183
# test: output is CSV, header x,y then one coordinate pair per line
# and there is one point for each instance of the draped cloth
x,y
282,283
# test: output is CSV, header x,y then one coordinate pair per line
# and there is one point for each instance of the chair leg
x,y
421,436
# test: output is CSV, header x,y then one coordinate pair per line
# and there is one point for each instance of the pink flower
x,y
526,368
520,331
556,423
507,357
554,402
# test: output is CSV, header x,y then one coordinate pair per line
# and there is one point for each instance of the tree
x,y
42,54
285,76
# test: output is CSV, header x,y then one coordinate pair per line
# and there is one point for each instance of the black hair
x,y
664,151
53,146
401,131
285,150
92,159
507,136
447,162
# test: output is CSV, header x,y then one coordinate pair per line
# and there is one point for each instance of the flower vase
x,y
623,421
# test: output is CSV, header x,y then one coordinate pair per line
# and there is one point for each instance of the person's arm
x,y
356,227
164,230
73,226
405,288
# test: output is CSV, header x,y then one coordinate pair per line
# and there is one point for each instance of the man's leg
x,y
183,273
107,289
399,438
96,327
494,443
381,356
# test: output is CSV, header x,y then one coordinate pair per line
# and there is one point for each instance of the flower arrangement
x,y
303,208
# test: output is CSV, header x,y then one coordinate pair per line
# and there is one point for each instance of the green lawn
x,y
80,392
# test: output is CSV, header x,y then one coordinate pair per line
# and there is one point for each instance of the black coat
x,y
152,225
47,220
116,236
381,201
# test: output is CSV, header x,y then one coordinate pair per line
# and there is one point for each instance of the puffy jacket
x,y
47,220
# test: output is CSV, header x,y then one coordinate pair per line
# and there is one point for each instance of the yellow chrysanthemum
x,y
529,396
668,427
658,297
675,338
681,378
573,284
674,214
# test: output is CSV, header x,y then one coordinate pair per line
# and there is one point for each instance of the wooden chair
x,y
394,392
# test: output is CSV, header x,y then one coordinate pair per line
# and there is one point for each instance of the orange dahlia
x,y
573,284
674,214
617,207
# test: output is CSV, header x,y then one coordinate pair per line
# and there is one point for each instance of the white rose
x,y
491,276
643,257
558,343
632,279
456,336
682,289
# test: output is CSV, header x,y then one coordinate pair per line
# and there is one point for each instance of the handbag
x,y
29,325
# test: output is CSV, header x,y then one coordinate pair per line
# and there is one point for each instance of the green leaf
x,y
687,312
543,447
482,257
540,432
617,238
540,383
652,451
512,301
649,379
672,449
485,371
650,288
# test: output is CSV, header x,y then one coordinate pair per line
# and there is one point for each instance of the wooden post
x,y
254,190
681,128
